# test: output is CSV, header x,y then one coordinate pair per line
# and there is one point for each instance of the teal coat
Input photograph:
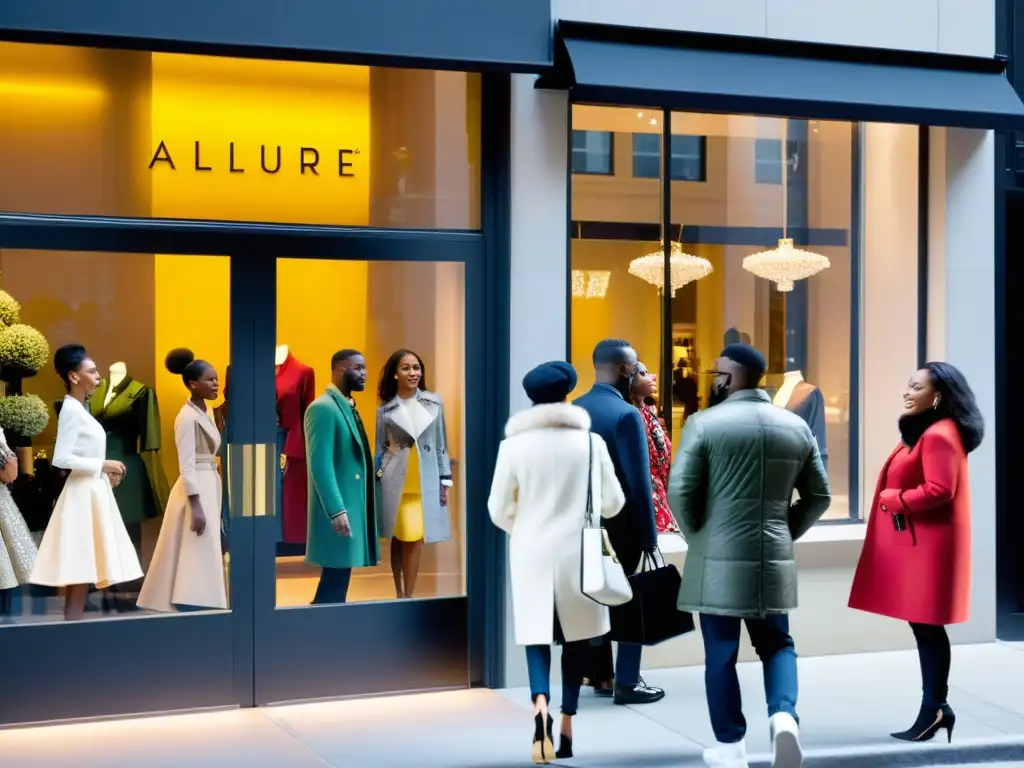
x,y
340,468
731,489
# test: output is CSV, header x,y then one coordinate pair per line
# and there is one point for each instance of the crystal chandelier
x,y
784,264
683,268
590,283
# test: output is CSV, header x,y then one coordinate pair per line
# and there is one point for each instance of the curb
x,y
968,751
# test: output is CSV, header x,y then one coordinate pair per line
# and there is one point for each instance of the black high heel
x,y
543,745
564,747
929,722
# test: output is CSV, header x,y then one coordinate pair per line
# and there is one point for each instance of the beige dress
x,y
85,541
17,548
188,570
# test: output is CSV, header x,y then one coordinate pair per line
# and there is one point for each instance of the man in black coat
x,y
632,531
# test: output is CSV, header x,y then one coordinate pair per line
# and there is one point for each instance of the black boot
x,y
930,721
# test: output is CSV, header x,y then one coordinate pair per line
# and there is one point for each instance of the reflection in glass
x,y
126,310
394,404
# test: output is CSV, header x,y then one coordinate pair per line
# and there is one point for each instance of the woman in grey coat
x,y
412,466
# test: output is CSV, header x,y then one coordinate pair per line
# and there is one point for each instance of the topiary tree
x,y
23,352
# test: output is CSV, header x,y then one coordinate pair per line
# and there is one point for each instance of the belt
x,y
206,461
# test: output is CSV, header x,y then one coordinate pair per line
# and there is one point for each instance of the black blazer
x,y
621,427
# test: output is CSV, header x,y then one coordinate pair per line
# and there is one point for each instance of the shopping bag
x,y
602,577
651,617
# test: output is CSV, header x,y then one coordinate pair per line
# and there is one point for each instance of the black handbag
x,y
651,617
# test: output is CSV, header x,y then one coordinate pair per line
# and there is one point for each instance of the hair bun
x,y
178,359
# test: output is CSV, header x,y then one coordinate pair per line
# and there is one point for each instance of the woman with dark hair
x,y
412,466
85,541
916,561
187,571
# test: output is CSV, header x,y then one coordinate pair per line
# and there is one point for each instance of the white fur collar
x,y
548,416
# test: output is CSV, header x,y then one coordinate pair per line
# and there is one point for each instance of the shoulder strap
x,y
590,481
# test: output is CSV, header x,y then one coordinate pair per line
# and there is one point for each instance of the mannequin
x,y
806,401
296,389
118,373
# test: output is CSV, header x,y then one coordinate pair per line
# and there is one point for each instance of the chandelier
x,y
590,283
784,264
683,268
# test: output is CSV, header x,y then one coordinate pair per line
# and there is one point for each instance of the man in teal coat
x,y
342,513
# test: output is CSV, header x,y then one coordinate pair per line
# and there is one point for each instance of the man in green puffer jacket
x,y
731,490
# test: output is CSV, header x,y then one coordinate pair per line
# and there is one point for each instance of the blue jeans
x,y
574,660
770,638
333,586
627,665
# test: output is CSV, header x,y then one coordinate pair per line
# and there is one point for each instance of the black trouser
x,y
934,654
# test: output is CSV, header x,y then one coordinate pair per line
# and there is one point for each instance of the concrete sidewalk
x,y
848,705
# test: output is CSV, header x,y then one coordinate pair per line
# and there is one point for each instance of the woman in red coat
x,y
916,561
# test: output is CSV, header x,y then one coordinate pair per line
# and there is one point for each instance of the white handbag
x,y
602,577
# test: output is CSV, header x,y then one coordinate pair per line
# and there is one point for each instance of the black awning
x,y
706,73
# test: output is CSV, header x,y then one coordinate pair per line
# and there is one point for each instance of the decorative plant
x,y
23,351
24,416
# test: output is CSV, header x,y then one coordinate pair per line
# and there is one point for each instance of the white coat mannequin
x,y
789,385
118,372
280,355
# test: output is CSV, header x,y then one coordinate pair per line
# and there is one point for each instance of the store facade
x,y
673,141
264,188
480,184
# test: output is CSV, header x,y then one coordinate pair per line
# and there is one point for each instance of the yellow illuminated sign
x,y
307,159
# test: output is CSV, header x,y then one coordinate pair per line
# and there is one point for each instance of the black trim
x,y
764,46
189,236
665,374
569,235
487,556
923,172
856,256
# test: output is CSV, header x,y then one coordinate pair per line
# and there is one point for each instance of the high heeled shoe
x,y
564,747
543,744
929,722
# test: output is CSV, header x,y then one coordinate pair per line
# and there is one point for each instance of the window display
x,y
802,327
387,362
90,564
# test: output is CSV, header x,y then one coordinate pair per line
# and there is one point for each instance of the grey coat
x,y
731,489
395,438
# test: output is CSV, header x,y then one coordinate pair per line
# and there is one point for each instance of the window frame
x,y
573,152
702,156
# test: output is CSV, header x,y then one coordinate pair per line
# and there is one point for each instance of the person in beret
x,y
731,490
539,497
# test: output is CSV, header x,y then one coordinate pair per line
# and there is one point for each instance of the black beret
x,y
550,382
752,360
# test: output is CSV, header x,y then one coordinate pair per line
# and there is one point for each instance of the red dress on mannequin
x,y
296,389
921,574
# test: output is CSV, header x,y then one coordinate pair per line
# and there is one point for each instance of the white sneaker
x,y
786,749
727,755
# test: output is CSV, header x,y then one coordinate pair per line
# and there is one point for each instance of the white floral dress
x,y
17,548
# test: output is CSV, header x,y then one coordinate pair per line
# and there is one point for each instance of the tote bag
x,y
651,617
602,577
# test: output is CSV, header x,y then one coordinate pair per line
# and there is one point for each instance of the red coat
x,y
296,389
922,574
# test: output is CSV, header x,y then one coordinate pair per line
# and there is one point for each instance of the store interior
x,y
126,133
727,198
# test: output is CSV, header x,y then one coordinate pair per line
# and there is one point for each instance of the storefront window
x,y
400,329
739,207
127,133
129,311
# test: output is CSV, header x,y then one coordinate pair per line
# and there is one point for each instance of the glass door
x,y
168,614
358,387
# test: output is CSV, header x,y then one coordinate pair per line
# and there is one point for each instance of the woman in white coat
x,y
539,497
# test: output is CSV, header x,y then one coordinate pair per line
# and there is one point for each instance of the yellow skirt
x,y
409,518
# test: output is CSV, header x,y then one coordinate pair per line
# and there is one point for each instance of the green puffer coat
x,y
731,490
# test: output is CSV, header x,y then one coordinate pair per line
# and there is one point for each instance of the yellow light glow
x,y
64,92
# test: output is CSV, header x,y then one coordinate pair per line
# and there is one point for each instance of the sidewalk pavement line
x,y
265,713
966,752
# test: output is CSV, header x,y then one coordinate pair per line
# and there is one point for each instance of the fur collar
x,y
555,415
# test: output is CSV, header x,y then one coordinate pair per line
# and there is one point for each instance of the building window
x,y
768,161
592,152
689,157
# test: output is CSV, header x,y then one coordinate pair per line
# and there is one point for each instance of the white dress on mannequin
x,y
85,541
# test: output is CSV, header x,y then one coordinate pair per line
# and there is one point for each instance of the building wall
x,y
961,245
